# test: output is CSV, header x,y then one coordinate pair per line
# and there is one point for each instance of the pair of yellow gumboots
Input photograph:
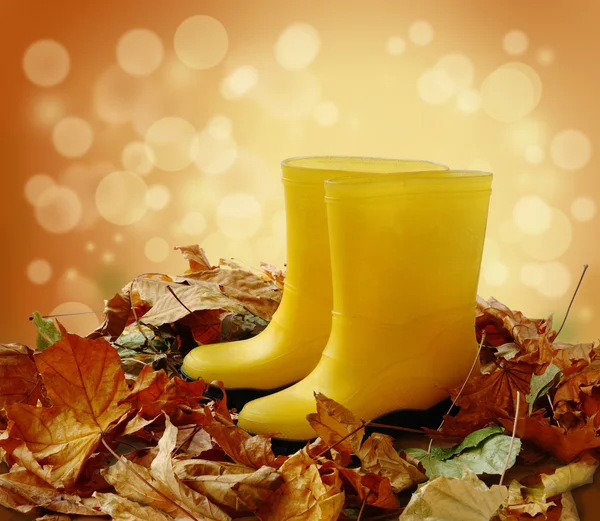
x,y
377,310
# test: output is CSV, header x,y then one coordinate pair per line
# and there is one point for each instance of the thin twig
x,y
132,469
512,439
70,314
364,424
148,342
188,438
394,427
585,267
178,299
362,507
552,407
461,389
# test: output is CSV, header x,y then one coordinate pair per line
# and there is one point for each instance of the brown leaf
x,y
159,487
303,496
154,392
253,451
122,509
572,358
196,257
577,397
194,440
36,492
378,456
333,422
19,378
376,490
54,517
235,486
274,274
85,383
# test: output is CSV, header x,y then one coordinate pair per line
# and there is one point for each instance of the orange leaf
x,y
333,422
85,383
374,489
19,378
303,496
253,451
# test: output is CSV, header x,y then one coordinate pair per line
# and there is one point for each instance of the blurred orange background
x,y
132,127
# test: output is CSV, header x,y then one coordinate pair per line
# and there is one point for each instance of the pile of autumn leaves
x,y
81,436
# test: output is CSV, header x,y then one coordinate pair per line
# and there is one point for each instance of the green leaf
x,y
133,340
47,331
541,384
489,457
471,441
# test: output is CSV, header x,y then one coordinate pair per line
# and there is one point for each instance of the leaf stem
x,y
585,267
362,507
364,424
461,389
178,299
132,469
394,427
512,439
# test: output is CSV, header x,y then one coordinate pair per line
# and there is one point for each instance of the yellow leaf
x,y
122,509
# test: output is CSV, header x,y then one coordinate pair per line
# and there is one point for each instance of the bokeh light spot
x,y
545,56
39,271
395,45
553,242
170,142
36,186
220,127
297,46
213,155
108,257
459,68
157,249
46,63
532,274
420,32
570,149
495,273
193,223
515,42
49,110
136,157
491,251
556,280
583,209
201,42
326,113
72,137
158,197
239,82
534,154
278,224
468,101
511,92
140,52
121,198
435,86
58,209
239,215
532,215
82,323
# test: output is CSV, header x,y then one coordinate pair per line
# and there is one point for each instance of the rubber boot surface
x,y
291,345
405,255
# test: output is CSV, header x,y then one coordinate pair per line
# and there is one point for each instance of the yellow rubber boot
x,y
291,345
405,256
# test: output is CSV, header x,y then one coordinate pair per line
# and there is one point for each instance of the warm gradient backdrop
x,y
129,127
97,186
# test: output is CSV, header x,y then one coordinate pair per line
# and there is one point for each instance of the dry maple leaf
x,y
333,423
378,456
371,488
85,383
19,378
37,493
196,257
159,487
235,486
241,447
304,495
577,397
122,509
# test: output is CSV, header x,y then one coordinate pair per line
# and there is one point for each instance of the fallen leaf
x,y
159,487
540,385
577,397
563,479
37,493
378,456
85,383
47,331
373,489
449,499
241,447
196,257
303,496
333,423
19,377
54,517
471,441
122,509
